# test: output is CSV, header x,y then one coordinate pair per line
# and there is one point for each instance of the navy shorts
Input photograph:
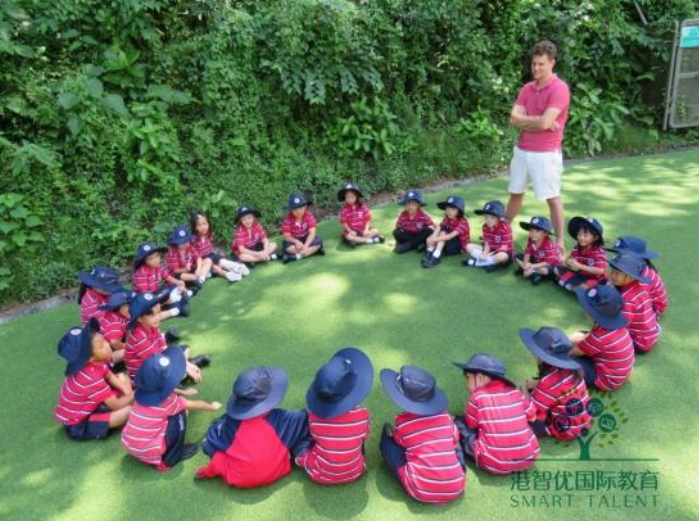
x,y
316,242
214,256
94,427
260,246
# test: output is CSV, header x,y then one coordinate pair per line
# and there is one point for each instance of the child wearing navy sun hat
x,y
423,447
253,443
156,428
300,230
413,226
95,287
452,235
637,247
355,218
497,249
586,266
560,392
338,424
183,260
542,255
92,399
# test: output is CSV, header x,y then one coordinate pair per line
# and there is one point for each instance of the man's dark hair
x,y
546,47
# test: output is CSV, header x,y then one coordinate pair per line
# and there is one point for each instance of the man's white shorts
x,y
543,169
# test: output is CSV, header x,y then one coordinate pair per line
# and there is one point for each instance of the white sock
x,y
202,280
209,275
430,249
299,256
437,254
273,256
189,294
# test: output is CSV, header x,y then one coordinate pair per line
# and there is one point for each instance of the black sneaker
x,y
288,257
172,335
201,361
491,268
381,239
403,247
321,251
535,279
183,305
251,265
348,243
433,261
518,271
119,367
189,450
466,262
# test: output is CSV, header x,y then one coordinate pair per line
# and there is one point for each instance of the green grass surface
x,y
297,315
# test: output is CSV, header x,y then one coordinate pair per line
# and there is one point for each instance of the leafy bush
x,y
117,119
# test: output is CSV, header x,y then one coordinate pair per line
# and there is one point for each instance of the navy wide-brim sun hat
x,y
455,202
486,364
578,222
180,235
552,354
604,305
393,382
349,187
159,376
76,346
297,201
341,384
538,223
257,391
102,278
631,265
412,195
494,208
246,210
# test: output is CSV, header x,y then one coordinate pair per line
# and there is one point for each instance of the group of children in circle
x,y
255,443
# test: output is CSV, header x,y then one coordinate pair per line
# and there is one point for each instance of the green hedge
x,y
119,117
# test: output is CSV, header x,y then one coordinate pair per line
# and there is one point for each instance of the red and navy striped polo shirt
x,y
505,442
656,289
338,453
298,229
548,252
146,278
203,244
592,257
144,433
499,238
113,326
612,354
432,473
561,399
638,310
179,261
460,225
248,237
82,393
356,217
90,303
142,343
414,223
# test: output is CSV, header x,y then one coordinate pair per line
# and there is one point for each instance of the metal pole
x,y
669,94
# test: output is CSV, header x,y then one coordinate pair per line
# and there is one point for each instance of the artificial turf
x,y
298,315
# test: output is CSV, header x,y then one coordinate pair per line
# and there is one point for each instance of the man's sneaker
x,y
201,361
403,247
172,335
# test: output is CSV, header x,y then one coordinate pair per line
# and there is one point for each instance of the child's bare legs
x,y
204,269
500,257
188,277
369,237
118,418
218,270
253,256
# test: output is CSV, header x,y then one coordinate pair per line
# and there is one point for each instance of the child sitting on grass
x,y
413,226
497,249
586,266
355,218
95,288
92,399
203,244
541,255
452,235
250,243
299,229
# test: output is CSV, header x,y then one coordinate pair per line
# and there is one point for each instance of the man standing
x,y
540,113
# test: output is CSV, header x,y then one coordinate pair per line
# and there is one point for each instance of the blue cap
x,y
180,235
494,208
538,222
296,201
412,195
